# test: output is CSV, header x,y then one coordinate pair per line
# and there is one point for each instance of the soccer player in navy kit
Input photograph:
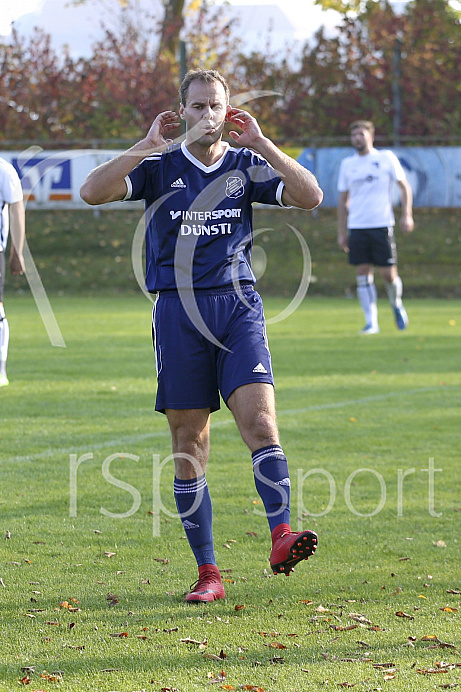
x,y
366,221
208,322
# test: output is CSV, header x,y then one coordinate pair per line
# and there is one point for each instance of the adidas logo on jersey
x,y
190,525
178,183
260,368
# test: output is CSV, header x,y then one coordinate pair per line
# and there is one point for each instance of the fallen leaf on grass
x,y
107,553
449,609
276,645
360,618
389,676
401,614
25,680
162,560
437,642
341,628
239,607
200,644
439,544
455,591
346,684
52,677
118,634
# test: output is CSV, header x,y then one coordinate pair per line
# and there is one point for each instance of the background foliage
x,y
134,72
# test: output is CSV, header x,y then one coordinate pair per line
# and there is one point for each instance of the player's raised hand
x,y
161,128
251,132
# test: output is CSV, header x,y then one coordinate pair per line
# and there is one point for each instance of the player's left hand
x,y
17,266
251,132
407,224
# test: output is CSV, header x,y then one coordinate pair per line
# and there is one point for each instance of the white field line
x,y
133,439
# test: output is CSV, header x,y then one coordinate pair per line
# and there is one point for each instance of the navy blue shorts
x,y
372,246
211,351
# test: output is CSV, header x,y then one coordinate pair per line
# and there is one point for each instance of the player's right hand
x,y
162,126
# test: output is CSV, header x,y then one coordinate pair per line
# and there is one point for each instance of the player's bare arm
x,y
342,213
406,198
301,187
17,230
106,183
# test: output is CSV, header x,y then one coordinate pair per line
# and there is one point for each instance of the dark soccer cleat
x,y
208,586
290,549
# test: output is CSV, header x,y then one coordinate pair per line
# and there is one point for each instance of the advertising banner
x,y
52,180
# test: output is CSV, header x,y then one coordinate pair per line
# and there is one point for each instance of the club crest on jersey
x,y
234,187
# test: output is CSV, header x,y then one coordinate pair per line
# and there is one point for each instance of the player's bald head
x,y
204,76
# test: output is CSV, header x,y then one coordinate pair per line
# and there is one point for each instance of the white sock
x,y
394,291
368,298
4,338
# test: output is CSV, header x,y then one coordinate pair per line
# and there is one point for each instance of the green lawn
x,y
86,251
370,426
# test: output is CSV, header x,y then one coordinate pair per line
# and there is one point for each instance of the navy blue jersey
x,y
199,218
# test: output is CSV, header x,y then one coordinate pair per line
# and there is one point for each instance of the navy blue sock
x,y
197,521
272,482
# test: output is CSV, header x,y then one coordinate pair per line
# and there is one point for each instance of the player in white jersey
x,y
366,221
12,219
208,323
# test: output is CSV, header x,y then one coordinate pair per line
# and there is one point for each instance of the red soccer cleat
x,y
208,586
290,548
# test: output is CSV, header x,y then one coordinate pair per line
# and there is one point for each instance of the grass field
x,y
78,251
93,572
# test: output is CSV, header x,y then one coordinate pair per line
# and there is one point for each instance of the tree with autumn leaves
x,y
48,97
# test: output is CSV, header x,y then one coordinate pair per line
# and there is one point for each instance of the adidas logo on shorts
x,y
260,368
190,525
178,183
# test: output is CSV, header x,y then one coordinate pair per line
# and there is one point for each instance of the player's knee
x,y
262,431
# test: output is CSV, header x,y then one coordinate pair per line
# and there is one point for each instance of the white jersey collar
x,y
199,164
